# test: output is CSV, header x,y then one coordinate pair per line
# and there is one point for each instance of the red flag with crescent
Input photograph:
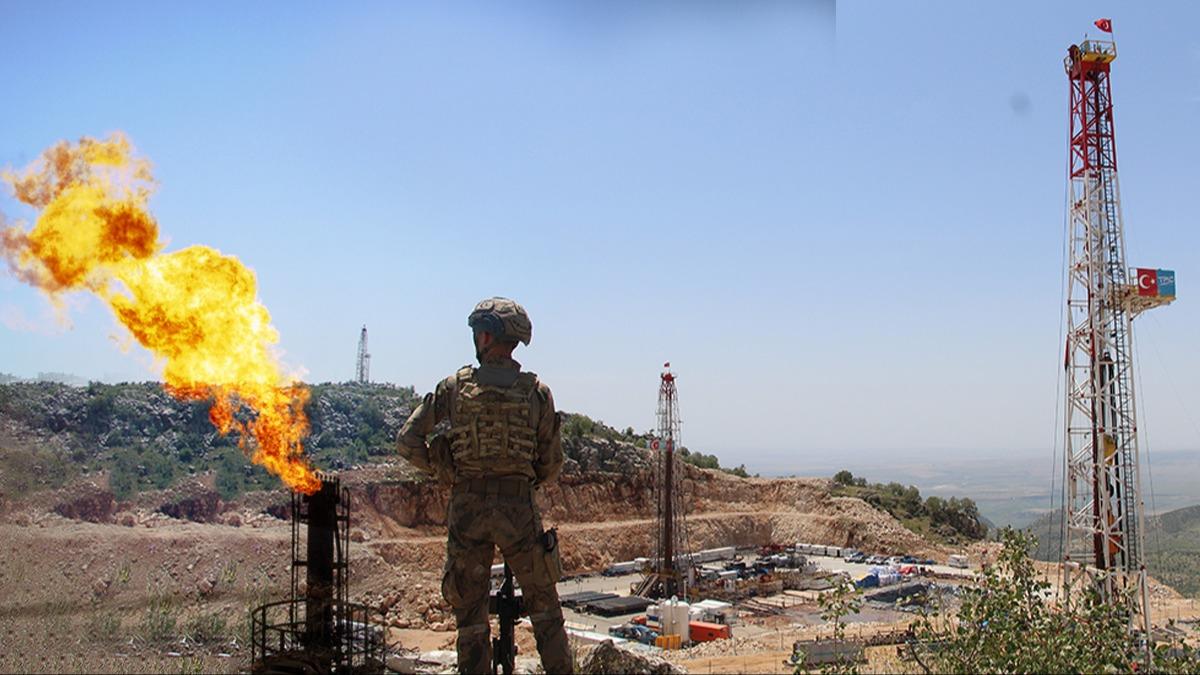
x,y
1147,282
1104,25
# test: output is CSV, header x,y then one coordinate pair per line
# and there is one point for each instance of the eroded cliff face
x,y
604,517
603,505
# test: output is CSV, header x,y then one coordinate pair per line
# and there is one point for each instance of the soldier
x,y
503,441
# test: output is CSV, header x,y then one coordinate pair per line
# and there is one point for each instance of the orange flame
x,y
195,309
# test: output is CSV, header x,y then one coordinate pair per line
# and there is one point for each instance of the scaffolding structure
x,y
1103,521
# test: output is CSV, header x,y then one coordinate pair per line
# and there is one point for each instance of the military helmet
x,y
503,318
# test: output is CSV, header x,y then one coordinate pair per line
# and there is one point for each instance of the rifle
x,y
509,606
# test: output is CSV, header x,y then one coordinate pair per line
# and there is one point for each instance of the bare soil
x,y
163,582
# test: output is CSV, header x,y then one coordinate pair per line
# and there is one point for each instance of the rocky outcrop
x,y
606,657
201,506
402,504
591,454
93,505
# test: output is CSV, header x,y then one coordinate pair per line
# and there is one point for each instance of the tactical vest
x,y
493,429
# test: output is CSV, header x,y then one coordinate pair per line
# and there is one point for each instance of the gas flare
x,y
195,309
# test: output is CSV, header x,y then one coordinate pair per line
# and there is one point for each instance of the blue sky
x,y
841,224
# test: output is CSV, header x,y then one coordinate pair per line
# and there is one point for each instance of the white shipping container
x,y
721,553
622,567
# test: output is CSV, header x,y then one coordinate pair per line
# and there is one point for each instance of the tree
x,y
836,604
843,477
739,471
1008,624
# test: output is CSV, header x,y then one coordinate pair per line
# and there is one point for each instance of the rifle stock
x,y
508,607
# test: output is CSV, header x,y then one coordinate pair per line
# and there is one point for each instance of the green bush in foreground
x,y
1006,624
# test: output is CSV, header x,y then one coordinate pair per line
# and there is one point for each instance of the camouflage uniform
x,y
503,440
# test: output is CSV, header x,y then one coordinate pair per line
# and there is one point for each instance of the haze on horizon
x,y
840,222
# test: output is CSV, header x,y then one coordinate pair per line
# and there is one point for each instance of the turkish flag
x,y
1147,282
1104,25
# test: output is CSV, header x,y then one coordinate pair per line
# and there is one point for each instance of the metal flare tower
x,y
1103,510
362,371
669,577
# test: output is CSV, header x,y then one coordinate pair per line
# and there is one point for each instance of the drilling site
x,y
233,517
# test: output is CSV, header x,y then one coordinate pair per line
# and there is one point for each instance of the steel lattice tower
x,y
669,576
1103,511
362,372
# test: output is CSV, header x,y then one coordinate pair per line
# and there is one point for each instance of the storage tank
x,y
676,617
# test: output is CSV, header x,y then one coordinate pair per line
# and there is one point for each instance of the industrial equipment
x,y
1103,510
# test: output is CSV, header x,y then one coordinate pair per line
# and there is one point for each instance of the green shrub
x,y
159,618
146,467
207,627
1006,624
952,519
104,626
26,470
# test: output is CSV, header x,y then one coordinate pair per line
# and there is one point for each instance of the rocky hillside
x,y
143,438
91,422
133,454
153,502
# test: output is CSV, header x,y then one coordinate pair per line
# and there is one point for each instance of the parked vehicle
x,y
959,561
857,558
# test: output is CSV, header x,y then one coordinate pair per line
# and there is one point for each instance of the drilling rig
x,y
672,560
1103,520
362,367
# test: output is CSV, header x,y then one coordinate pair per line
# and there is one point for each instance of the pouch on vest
x,y
554,567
